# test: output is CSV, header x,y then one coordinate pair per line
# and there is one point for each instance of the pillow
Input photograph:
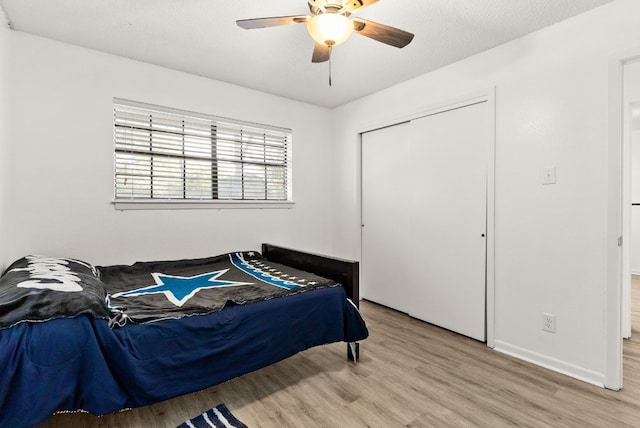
x,y
37,288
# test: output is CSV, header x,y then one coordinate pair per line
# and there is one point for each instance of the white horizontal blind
x,y
168,154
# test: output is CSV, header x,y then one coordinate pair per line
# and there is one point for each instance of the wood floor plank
x,y
411,374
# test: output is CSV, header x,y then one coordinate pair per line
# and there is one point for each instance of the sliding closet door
x,y
385,232
448,218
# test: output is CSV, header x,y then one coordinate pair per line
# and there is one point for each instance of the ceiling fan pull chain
x,y
329,65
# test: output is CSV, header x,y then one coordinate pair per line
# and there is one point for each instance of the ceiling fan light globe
x,y
330,29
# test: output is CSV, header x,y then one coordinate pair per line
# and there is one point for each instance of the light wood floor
x,y
411,374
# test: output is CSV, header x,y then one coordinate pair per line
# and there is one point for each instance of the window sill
x,y
181,204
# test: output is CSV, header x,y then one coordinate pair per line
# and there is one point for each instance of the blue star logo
x,y
179,289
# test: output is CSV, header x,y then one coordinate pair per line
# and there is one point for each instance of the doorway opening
x,y
630,193
624,92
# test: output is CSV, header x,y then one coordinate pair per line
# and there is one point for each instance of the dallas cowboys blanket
x,y
36,288
151,291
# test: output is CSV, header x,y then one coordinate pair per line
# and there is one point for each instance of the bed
x,y
135,335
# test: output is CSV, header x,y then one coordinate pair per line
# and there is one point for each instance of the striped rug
x,y
219,417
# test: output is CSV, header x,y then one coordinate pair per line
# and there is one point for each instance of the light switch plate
x,y
549,175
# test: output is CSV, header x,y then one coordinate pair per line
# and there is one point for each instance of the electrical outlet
x,y
549,322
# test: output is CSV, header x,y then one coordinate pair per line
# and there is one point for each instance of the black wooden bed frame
x,y
342,271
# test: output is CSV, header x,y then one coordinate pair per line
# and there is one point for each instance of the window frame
x,y
151,203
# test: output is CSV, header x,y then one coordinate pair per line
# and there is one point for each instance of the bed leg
x,y
353,351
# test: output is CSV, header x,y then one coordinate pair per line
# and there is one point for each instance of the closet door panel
x,y
447,218
385,233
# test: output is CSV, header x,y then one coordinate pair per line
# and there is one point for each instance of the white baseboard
x,y
580,373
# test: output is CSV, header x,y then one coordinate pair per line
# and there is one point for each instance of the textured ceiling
x,y
201,37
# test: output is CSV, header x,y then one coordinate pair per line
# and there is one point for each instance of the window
x,y
167,155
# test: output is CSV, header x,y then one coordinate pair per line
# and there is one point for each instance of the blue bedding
x,y
80,362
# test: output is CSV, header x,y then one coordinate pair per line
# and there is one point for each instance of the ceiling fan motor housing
x,y
334,6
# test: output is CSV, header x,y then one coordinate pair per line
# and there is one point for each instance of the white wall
x,y
61,184
551,110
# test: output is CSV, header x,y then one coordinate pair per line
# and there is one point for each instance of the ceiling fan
x,y
331,23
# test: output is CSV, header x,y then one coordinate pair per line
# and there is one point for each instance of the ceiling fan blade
x,y
321,53
249,24
382,33
353,5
